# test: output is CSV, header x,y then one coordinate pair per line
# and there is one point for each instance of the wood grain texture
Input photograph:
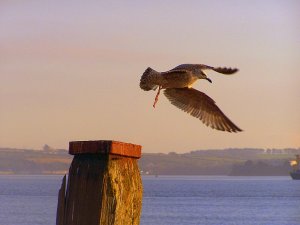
x,y
84,189
61,203
102,189
122,196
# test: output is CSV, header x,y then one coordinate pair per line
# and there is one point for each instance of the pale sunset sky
x,y
70,70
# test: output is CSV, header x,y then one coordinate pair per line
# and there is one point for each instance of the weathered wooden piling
x,y
104,185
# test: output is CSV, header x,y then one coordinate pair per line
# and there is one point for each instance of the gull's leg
x,y
156,97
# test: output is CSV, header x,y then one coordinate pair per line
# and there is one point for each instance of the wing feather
x,y
223,70
201,106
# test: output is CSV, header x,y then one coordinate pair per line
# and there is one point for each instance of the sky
x,y
70,70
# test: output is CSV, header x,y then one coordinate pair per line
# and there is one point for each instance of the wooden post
x,y
104,185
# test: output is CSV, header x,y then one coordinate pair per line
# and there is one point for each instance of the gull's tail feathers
x,y
148,79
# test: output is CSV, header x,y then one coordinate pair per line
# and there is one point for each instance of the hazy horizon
x,y
165,152
71,71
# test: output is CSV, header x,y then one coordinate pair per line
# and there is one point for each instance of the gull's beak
x,y
206,78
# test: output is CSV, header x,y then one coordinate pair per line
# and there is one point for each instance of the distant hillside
x,y
220,162
27,161
261,168
243,162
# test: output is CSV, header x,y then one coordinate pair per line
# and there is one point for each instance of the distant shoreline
x,y
152,176
232,162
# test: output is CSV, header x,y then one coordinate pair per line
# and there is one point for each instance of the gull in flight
x,y
178,82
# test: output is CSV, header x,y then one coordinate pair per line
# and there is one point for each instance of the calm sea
x,y
208,200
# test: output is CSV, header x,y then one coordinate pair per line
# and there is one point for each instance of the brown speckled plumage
x,y
177,83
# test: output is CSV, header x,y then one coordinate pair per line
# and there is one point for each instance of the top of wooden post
x,y
105,147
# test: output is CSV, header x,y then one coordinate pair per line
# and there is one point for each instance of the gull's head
x,y
202,75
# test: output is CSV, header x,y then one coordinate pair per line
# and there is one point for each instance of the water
x,y
176,200
221,200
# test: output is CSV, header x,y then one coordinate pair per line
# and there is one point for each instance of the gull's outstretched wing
x,y
201,106
223,70
190,67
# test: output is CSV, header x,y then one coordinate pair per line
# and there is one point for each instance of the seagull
x,y
177,84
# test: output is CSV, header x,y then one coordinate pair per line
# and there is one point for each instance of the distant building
x,y
47,148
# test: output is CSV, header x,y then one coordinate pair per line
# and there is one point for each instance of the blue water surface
x,y
174,200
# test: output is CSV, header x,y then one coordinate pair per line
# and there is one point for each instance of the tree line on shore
x,y
234,161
